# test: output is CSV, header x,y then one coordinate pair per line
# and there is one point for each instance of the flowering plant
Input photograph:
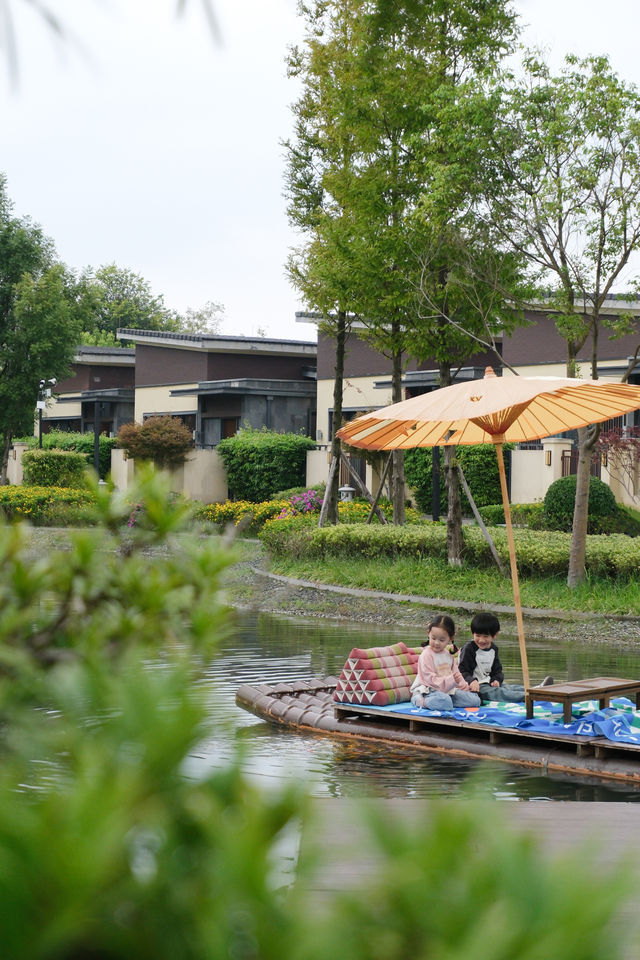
x,y
308,502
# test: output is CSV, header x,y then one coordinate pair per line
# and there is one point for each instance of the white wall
x,y
202,477
533,471
14,466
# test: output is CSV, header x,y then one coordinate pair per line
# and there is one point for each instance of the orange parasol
x,y
494,410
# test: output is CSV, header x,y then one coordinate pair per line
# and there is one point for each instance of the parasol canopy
x,y
493,410
513,409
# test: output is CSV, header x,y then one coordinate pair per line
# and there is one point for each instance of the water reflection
x,y
268,649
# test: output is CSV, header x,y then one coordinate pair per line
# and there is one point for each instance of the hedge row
x,y
480,468
80,442
258,462
539,554
54,468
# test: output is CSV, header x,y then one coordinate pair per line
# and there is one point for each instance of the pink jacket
x,y
428,676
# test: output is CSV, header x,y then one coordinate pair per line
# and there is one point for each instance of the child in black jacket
x,y
480,664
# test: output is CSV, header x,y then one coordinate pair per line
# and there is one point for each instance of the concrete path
x,y
534,613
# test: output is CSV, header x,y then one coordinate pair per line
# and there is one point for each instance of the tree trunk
x,y
329,512
454,508
6,446
452,484
577,554
334,470
397,469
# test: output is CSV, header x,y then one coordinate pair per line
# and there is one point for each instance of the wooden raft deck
x,y
309,706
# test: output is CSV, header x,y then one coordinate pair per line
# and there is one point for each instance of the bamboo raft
x,y
309,707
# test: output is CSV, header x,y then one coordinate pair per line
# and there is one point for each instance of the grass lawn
x,y
434,578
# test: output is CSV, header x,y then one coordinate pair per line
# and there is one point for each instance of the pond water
x,y
266,649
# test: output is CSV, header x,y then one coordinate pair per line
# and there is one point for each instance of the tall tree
x,y
320,159
464,284
39,321
364,153
572,207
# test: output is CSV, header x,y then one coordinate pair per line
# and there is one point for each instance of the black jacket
x,y
467,662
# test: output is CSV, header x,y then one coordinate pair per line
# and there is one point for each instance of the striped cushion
x,y
377,676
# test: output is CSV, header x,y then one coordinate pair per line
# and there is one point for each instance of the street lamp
x,y
44,390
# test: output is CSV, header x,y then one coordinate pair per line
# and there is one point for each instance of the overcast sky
x,y
141,141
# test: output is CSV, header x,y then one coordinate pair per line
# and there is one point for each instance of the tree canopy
x,y
115,297
571,206
40,320
387,170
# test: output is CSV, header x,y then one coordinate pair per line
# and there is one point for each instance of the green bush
x,y
261,461
53,468
628,521
81,443
480,467
560,498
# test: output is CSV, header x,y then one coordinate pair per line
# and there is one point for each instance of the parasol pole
x,y
512,561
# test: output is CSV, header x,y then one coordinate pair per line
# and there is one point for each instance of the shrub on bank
x,y
559,503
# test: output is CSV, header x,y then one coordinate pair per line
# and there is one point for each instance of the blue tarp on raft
x,y
614,723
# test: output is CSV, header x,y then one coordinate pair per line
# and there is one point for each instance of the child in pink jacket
x,y
439,685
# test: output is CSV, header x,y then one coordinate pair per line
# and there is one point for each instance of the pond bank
x,y
252,586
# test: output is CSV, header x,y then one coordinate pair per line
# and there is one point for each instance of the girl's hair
x,y
442,620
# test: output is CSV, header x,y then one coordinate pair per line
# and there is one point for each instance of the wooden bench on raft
x,y
599,688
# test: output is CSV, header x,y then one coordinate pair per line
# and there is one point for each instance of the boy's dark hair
x,y
485,623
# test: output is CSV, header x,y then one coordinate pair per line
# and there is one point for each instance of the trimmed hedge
x,y
53,468
258,462
538,554
82,443
522,515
